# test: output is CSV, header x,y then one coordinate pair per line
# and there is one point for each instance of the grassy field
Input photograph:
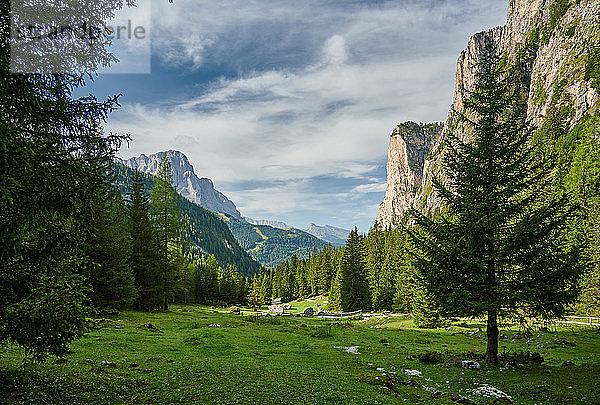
x,y
197,355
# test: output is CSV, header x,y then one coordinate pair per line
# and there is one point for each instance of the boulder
x,y
309,312
471,364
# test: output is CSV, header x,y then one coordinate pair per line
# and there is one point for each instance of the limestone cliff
x,y
198,190
555,41
410,144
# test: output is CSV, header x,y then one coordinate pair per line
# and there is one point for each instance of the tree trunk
x,y
491,354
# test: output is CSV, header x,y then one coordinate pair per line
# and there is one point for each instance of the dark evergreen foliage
x,y
202,231
109,249
53,161
503,244
145,247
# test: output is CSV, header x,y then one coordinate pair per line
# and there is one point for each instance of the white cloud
x,y
369,188
335,50
318,88
185,50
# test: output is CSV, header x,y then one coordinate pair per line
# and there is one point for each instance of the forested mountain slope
x,y
271,246
205,232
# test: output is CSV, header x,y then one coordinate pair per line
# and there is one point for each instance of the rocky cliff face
x,y
410,144
555,39
198,190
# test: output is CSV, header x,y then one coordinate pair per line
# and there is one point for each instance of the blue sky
x,y
288,105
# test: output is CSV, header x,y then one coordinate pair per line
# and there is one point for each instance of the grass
x,y
299,360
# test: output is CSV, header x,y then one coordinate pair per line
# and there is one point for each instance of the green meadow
x,y
195,354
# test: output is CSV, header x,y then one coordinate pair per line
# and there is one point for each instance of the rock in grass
x,y
437,394
309,312
471,364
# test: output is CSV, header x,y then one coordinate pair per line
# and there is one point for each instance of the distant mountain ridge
x,y
334,235
272,245
268,242
197,190
267,222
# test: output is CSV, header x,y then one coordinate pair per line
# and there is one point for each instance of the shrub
x,y
431,357
592,68
522,358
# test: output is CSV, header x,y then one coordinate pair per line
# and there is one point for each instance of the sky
x,y
288,105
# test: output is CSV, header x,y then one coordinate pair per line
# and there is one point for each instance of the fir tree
x,y
144,247
501,247
353,278
110,274
166,214
206,284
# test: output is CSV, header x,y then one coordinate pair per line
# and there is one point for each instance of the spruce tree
x,y
166,214
375,258
144,243
110,274
254,293
501,247
206,284
353,278
383,294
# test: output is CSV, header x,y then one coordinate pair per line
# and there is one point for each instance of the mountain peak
x,y
198,190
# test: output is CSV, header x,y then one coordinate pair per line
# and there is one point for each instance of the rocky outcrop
x,y
410,144
466,71
553,39
198,190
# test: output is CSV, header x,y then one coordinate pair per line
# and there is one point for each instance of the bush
x,y
521,358
431,357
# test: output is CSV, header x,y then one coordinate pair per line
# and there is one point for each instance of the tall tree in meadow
x,y
144,258
384,290
230,285
583,180
324,271
166,214
353,278
254,295
502,245
375,245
